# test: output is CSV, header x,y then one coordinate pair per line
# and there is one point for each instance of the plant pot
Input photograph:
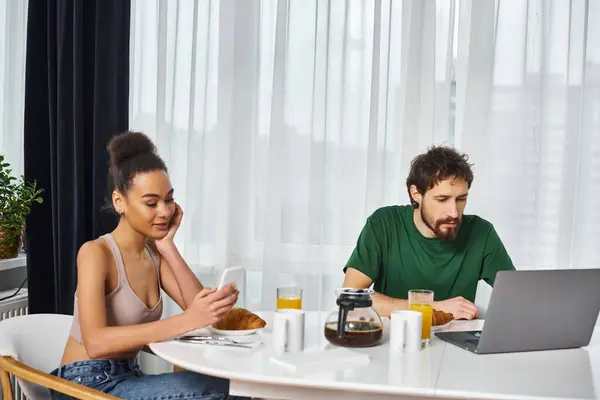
x,y
11,250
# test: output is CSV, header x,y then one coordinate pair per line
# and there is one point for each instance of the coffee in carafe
x,y
358,334
355,323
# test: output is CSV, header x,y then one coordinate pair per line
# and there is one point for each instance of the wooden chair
x,y
31,346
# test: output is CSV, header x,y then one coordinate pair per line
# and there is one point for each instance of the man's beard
x,y
435,226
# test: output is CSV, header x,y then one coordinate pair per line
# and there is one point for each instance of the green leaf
x,y
16,198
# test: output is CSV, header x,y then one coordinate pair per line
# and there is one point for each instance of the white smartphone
x,y
232,275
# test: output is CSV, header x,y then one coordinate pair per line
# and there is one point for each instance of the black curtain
x,y
76,98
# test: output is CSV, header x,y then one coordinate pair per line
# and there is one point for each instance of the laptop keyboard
x,y
475,337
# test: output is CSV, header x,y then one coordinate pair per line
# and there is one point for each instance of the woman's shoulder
x,y
96,252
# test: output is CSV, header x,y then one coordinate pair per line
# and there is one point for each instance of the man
x,y
429,244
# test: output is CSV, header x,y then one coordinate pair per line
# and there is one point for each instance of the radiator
x,y
9,308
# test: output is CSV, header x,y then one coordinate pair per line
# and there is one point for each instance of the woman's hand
x,y
210,306
163,243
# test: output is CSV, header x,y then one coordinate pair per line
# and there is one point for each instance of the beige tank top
x,y
123,306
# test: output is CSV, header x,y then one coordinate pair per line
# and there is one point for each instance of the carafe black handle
x,y
345,306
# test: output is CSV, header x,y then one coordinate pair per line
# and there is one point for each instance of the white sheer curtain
x,y
538,151
285,123
13,32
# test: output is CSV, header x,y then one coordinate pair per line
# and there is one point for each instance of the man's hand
x,y
459,307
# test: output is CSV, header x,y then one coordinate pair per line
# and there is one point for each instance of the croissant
x,y
240,319
441,318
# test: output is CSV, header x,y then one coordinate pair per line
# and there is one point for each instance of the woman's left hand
x,y
173,226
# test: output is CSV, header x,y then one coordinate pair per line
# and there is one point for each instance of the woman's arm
x,y
102,341
177,278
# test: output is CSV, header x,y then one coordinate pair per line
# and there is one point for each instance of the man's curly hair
x,y
437,164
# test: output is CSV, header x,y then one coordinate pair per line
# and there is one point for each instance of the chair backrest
x,y
37,340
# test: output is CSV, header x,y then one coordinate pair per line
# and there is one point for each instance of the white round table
x,y
439,371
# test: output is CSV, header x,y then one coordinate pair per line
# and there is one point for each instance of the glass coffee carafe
x,y
355,323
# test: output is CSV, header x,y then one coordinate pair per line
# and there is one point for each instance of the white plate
x,y
386,321
233,333
440,327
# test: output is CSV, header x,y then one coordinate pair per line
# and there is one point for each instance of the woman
x,y
118,303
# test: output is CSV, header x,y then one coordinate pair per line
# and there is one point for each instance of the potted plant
x,y
16,199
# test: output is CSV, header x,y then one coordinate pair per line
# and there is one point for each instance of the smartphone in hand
x,y
233,275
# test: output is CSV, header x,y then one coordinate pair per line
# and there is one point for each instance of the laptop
x,y
536,310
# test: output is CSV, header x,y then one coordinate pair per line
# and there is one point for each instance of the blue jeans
x,y
124,379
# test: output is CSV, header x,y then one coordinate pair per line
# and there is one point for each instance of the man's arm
x,y
459,307
365,263
383,304
363,268
495,258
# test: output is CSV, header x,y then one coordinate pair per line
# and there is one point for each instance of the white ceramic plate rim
x,y
233,332
440,327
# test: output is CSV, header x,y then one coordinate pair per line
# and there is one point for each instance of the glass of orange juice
x,y
289,297
422,300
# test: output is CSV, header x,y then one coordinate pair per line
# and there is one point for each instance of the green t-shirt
x,y
397,257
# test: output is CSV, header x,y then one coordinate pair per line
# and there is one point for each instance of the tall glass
x,y
289,297
422,300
